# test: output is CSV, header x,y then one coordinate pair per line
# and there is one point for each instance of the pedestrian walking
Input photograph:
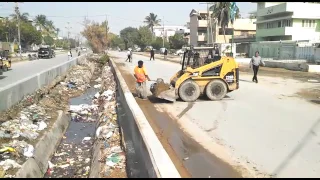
x,y
128,55
131,55
255,62
165,53
152,54
69,55
141,75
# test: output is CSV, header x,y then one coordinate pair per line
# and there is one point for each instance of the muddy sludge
x,y
93,128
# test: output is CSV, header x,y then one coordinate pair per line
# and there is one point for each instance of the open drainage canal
x,y
92,144
73,156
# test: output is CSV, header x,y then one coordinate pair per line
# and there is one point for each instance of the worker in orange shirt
x,y
141,76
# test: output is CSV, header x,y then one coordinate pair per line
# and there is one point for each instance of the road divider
x,y
145,141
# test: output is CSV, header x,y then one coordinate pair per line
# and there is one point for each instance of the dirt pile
x,y
159,87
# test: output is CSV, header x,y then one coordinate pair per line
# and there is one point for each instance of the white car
x,y
84,49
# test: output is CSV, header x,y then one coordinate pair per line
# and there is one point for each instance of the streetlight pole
x,y
18,19
68,28
163,33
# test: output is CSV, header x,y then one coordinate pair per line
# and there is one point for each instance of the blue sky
x,y
119,14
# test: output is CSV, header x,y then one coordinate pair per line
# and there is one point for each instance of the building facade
x,y
200,30
279,21
168,31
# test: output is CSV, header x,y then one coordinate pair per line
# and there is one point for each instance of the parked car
x,y
46,52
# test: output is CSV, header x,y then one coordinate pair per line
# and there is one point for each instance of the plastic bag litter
x,y
97,95
98,80
97,86
28,151
86,139
116,149
51,165
107,93
9,163
41,126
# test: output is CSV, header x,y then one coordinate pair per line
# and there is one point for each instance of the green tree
x,y
145,37
152,20
177,41
23,17
222,13
158,43
48,40
115,41
29,34
130,36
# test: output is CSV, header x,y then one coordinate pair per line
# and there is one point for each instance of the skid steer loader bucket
x,y
162,90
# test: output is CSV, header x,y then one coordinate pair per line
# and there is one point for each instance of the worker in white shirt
x,y
128,55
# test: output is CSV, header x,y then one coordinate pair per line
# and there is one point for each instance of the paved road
x,y
21,70
262,127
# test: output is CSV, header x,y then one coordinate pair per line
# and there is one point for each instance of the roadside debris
x,y
96,106
113,157
36,113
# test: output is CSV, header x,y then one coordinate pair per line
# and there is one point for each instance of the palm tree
x,y
152,21
23,17
41,22
50,27
221,13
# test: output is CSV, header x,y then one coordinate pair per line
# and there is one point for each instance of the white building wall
x,y
168,31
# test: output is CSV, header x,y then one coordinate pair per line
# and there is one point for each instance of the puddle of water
x,y
134,164
73,155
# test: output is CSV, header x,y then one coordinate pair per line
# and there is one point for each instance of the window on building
x,y
279,24
309,23
228,31
302,23
287,23
313,23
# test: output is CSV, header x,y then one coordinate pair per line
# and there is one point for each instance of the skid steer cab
x,y
202,72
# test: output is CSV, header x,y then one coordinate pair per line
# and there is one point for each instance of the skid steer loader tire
x,y
189,91
216,90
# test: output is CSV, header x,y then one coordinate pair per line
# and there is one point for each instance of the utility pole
x,y
163,32
209,24
18,19
107,30
68,29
